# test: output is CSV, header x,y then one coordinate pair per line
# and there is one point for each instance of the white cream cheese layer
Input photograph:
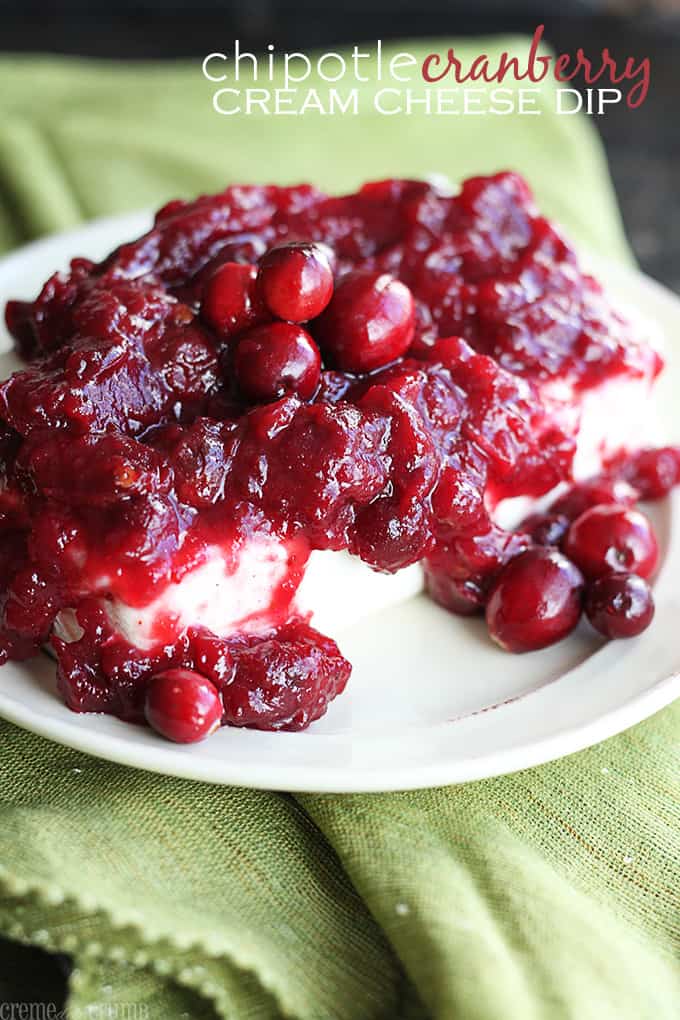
x,y
617,416
337,589
213,595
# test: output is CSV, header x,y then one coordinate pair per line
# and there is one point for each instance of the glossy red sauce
x,y
127,446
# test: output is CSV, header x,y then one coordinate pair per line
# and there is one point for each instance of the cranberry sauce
x,y
363,373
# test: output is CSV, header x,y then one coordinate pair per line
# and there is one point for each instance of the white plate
x,y
431,700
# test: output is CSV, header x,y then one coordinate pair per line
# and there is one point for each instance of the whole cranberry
x,y
182,705
654,472
535,601
594,492
464,598
545,529
231,301
369,322
296,280
276,360
612,539
619,605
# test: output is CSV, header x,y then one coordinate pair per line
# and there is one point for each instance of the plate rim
x,y
177,761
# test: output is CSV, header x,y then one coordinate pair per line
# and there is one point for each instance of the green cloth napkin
x,y
546,895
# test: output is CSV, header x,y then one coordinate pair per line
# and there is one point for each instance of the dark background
x,y
643,146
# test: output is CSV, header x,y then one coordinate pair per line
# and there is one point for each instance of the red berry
x,y
535,601
612,539
296,280
182,705
619,605
594,492
654,472
464,598
545,529
231,301
369,322
276,360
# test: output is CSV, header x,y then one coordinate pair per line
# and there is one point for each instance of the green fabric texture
x,y
548,895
